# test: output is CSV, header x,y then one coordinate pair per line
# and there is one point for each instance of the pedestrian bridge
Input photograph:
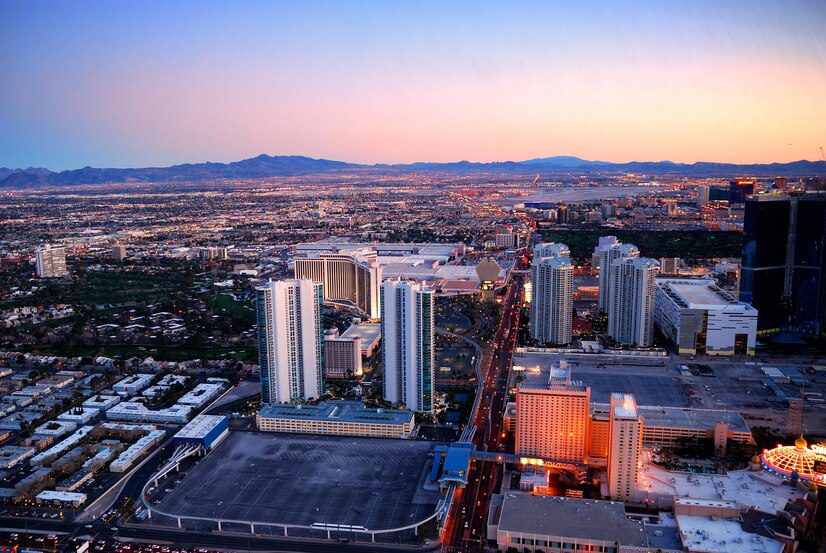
x,y
452,463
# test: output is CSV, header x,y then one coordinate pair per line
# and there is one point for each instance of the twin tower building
x,y
291,337
626,294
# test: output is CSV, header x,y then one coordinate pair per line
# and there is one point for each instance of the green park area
x,y
688,244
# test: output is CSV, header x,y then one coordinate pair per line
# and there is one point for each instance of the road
x,y
465,526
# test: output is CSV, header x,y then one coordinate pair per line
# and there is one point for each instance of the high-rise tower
x,y
290,344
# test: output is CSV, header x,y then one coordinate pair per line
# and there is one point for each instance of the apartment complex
x,y
290,345
407,313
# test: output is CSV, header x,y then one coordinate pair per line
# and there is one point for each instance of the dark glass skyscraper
x,y
783,273
738,189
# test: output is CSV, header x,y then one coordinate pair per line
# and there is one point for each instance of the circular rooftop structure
x,y
798,458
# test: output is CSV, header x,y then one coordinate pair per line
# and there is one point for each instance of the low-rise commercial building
x,y
368,333
339,418
206,431
522,521
699,317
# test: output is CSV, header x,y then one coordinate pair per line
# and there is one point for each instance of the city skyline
x,y
377,83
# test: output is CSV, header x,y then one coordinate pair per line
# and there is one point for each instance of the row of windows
x,y
563,545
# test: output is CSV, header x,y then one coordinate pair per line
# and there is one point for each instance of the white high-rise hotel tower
x,y
290,345
609,255
407,344
631,300
552,277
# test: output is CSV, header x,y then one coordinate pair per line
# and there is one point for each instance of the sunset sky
x,y
130,84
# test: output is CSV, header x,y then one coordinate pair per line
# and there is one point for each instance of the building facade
x,y
631,301
551,309
783,273
699,317
407,313
342,357
337,418
552,416
344,277
290,344
625,447
612,252
51,262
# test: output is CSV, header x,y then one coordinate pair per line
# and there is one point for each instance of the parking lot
x,y
299,479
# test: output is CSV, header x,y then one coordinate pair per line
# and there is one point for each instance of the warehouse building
x,y
699,317
206,431
339,418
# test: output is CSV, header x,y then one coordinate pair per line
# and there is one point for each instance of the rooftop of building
x,y
711,534
368,332
684,417
337,411
759,490
546,376
200,426
624,406
699,293
569,517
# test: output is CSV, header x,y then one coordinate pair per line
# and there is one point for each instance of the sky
x,y
153,83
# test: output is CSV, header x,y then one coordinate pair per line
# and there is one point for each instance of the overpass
x,y
452,463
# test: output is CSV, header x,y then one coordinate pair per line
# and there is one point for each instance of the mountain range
x,y
279,166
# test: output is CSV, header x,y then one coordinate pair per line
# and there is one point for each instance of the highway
x,y
465,526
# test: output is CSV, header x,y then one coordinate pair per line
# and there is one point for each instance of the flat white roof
x,y
760,490
200,426
722,535
368,332
51,495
